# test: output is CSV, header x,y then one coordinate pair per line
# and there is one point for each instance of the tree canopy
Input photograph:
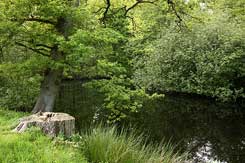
x,y
132,47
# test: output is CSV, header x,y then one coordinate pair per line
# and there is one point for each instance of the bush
x,y
18,89
19,94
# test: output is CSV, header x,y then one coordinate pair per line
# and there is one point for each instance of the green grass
x,y
108,146
99,145
32,146
8,119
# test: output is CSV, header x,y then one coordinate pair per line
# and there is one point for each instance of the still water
x,y
210,131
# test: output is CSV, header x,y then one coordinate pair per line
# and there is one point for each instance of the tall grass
x,y
106,145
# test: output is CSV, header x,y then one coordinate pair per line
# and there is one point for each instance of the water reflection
x,y
211,131
79,101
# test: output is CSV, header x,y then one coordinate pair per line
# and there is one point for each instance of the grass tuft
x,y
106,145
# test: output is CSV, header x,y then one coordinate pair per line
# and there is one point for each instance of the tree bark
x,y
48,92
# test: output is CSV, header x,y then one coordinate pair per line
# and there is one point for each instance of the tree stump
x,y
50,123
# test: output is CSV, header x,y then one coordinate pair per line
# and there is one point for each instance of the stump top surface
x,y
48,116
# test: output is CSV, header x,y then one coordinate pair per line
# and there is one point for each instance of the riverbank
x,y
98,145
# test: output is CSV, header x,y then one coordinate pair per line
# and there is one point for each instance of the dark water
x,y
210,131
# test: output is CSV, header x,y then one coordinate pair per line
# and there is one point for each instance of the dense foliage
x,y
58,40
205,58
126,51
186,46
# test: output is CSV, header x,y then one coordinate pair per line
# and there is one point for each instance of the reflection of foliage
x,y
188,122
81,102
193,123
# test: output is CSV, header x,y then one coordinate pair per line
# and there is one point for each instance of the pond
x,y
210,131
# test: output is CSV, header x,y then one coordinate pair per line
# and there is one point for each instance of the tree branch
x,y
137,3
173,7
108,5
32,49
35,19
40,20
45,46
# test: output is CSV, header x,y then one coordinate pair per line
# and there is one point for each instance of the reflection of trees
x,y
194,123
79,101
189,122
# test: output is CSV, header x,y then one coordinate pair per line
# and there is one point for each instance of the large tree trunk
x,y
48,92
50,84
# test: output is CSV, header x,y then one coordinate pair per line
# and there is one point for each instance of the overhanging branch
x,y
32,49
35,19
39,46
40,20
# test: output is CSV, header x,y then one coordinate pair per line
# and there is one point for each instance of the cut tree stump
x,y
50,123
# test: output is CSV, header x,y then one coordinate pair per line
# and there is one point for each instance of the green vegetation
x,y
129,51
207,58
107,145
43,42
98,145
125,48
31,146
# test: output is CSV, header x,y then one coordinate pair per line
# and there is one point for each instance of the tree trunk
x,y
48,92
50,85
